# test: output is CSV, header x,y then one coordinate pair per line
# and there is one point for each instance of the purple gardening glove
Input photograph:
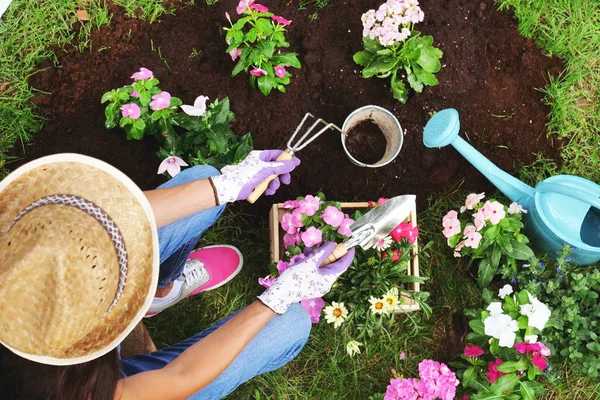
x,y
238,181
305,280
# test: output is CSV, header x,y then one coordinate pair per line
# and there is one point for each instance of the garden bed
x,y
490,74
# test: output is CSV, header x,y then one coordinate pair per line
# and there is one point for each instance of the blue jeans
x,y
274,346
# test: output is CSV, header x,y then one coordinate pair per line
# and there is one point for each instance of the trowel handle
x,y
260,189
339,252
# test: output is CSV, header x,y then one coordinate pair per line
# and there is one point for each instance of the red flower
x,y
395,257
473,351
493,372
405,230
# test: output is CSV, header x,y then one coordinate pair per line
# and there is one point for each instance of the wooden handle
x,y
260,189
339,252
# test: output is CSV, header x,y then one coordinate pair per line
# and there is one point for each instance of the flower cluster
x,y
386,304
437,382
391,23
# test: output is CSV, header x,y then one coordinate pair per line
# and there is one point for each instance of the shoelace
x,y
193,272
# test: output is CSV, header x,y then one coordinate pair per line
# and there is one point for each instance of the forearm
x,y
172,204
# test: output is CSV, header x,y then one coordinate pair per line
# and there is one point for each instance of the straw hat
x,y
79,263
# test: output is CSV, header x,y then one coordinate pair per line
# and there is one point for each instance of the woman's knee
x,y
296,325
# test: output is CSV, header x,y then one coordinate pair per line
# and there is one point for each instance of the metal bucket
x,y
389,125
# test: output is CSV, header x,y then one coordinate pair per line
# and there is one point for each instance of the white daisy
x,y
383,244
336,313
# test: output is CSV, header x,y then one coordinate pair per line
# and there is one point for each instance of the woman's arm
x,y
200,364
172,204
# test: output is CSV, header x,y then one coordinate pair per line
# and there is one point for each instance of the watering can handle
x,y
569,192
260,189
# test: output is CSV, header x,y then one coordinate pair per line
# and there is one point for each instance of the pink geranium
x,y
235,53
172,165
243,6
266,282
131,110
472,200
309,205
280,71
259,8
160,101
405,230
312,237
344,228
292,239
473,351
493,374
281,20
258,72
143,73
314,308
494,211
333,216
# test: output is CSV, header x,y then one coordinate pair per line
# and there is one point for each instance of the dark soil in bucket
x,y
490,75
366,143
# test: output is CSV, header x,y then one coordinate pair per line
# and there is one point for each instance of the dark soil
x,y
366,142
488,69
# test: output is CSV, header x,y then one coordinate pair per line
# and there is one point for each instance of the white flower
x,y
495,308
336,313
537,312
505,291
172,165
383,244
379,306
515,208
391,298
531,338
501,327
198,109
353,347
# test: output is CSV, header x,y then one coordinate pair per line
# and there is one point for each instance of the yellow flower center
x,y
337,312
390,300
379,305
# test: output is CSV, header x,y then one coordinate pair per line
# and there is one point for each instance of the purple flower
x,y
282,266
172,165
309,205
266,282
541,265
513,281
314,308
143,73
569,259
280,71
258,72
312,237
402,355
333,216
296,258
292,239
344,228
160,101
131,110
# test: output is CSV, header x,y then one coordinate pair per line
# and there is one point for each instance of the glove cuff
x,y
274,303
219,184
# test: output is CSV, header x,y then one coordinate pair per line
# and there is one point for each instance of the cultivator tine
x,y
304,140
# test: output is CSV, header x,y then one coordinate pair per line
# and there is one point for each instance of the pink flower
x,y
314,308
473,240
143,73
291,204
473,351
459,247
405,230
291,222
235,53
134,94
521,347
402,355
266,282
451,224
344,228
243,6
472,200
395,257
259,8
449,217
333,216
227,15
545,351
382,200
172,165
465,397
539,351
291,239
258,72
131,110
281,20
160,101
297,258
309,205
312,237
280,71
479,219
539,361
402,389
493,372
282,266
494,211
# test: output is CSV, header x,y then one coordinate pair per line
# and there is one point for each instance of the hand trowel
x,y
374,225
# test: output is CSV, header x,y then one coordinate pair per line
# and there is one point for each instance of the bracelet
x,y
214,188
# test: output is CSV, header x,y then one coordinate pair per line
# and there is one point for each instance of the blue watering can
x,y
561,209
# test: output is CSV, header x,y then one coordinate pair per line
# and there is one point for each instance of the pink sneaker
x,y
206,269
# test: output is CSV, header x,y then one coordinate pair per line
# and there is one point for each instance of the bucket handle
x,y
569,192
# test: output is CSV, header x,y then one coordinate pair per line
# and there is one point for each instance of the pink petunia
x,y
235,53
172,165
258,72
131,110
243,6
314,308
143,73
281,20
494,211
312,237
292,239
473,351
160,101
280,71
309,205
493,374
259,8
344,228
266,282
333,216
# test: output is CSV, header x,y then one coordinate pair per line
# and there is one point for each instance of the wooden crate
x,y
277,248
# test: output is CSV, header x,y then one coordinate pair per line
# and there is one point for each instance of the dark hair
x,y
27,380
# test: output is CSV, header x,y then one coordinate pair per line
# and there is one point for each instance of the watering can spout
x,y
442,130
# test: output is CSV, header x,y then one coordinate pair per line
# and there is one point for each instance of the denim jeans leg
x,y
178,239
274,346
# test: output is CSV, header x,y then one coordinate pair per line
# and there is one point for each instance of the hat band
x,y
100,216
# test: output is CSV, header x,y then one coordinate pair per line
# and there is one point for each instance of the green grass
x,y
569,29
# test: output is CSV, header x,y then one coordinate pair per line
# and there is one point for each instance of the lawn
x,y
35,33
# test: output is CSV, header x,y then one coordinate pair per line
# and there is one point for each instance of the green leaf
x,y
520,251
429,59
593,346
125,121
485,273
523,322
279,37
265,26
111,112
363,57
423,76
399,89
380,65
487,295
175,102
492,232
239,24
371,45
139,124
532,372
106,97
156,115
251,35
414,82
266,84
512,366
145,98
469,376
527,391
496,255
523,297
123,96
136,134
290,59
505,384
477,326
244,148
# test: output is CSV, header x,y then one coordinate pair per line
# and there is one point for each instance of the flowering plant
x,y
506,357
393,48
205,137
254,39
436,381
488,231
366,296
